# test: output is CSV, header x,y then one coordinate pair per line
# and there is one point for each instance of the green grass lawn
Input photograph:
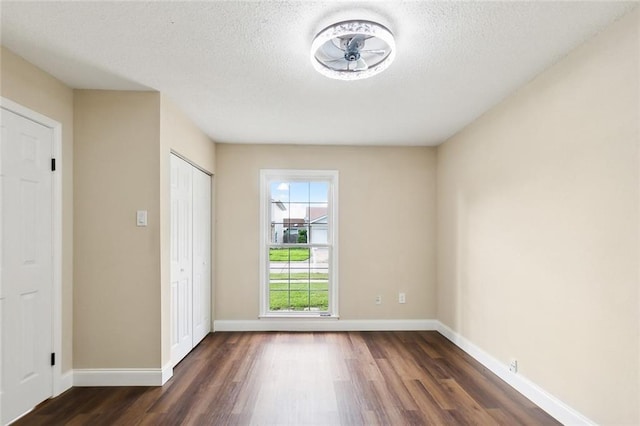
x,y
299,286
288,254
299,275
296,293
298,299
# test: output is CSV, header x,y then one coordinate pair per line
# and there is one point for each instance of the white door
x,y
26,277
201,255
181,259
190,257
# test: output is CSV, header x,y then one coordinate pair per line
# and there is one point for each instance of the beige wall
x,y
180,135
31,87
117,265
123,143
538,229
386,236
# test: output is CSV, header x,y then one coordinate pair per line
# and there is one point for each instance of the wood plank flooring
x,y
277,378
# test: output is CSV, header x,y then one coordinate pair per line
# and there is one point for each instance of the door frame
x,y
58,386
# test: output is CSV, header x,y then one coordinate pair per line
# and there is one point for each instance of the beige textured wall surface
x,y
31,87
180,135
538,229
386,226
117,313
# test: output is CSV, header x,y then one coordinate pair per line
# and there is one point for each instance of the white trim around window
x,y
267,177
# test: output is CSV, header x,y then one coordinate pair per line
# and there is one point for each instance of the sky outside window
x,y
297,196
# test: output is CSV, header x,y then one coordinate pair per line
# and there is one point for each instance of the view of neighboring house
x,y
285,229
317,219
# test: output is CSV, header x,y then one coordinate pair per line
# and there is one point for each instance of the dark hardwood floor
x,y
354,378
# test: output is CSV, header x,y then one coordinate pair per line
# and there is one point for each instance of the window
x,y
298,239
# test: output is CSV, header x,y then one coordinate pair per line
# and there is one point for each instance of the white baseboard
x,y
167,372
552,405
269,324
122,376
159,376
65,383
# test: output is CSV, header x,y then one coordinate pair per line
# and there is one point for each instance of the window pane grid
x,y
298,242
297,282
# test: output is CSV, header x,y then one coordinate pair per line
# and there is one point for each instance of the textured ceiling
x,y
241,70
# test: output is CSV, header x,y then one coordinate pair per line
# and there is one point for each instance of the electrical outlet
x,y
378,300
513,365
402,298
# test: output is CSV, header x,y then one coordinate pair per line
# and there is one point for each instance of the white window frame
x,y
266,177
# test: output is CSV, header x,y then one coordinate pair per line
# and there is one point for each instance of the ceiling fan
x,y
353,50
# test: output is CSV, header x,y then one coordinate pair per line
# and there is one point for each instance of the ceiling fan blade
x,y
375,51
336,44
361,65
338,64
330,51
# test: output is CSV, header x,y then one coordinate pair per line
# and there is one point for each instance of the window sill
x,y
293,316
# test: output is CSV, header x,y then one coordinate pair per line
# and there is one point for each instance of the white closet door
x,y
201,255
181,259
190,257
26,270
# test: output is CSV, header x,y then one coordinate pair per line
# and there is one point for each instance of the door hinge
x,y
53,164
53,358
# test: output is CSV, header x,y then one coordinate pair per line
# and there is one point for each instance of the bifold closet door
x,y
201,255
190,257
181,258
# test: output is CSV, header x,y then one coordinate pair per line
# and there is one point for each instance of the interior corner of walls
x,y
181,136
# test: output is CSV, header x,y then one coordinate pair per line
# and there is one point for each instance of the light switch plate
x,y
141,218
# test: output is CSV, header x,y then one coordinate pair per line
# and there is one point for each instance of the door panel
x,y
190,257
26,277
201,255
181,258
